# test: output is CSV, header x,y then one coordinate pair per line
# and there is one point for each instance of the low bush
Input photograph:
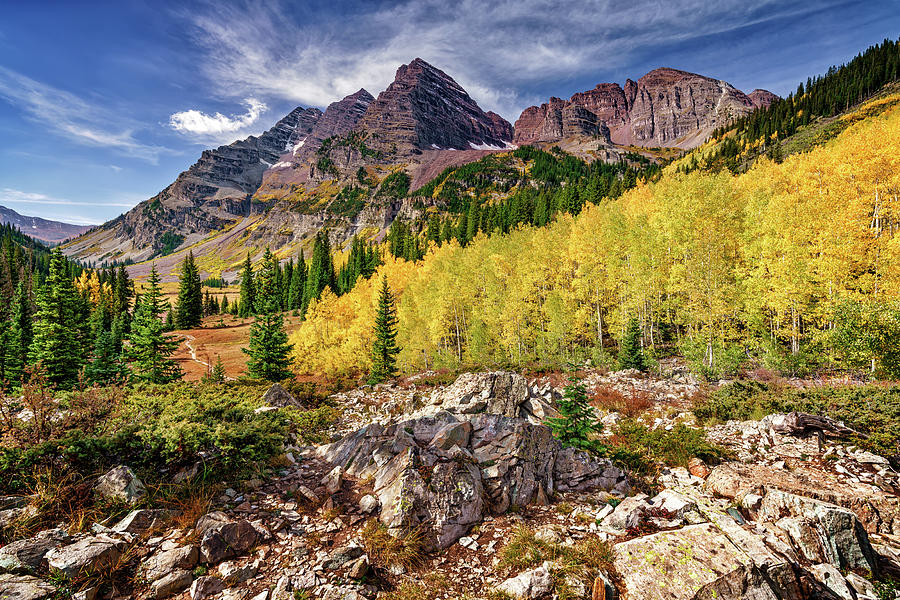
x,y
872,410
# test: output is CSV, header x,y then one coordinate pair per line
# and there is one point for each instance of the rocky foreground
x,y
464,493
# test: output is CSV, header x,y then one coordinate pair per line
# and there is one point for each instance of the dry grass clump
x,y
385,550
631,405
581,561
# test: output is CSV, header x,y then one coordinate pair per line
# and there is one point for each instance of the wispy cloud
x,y
494,49
71,116
217,127
12,196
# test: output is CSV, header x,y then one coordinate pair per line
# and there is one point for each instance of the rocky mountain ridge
x,y
278,189
666,108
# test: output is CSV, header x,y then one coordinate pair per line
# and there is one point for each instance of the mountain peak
x,y
424,108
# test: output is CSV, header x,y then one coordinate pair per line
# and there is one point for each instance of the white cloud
x,y
492,49
217,126
74,118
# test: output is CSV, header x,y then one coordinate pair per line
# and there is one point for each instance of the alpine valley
x,y
362,163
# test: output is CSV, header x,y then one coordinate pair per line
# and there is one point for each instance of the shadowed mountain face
x,y
665,107
45,230
315,169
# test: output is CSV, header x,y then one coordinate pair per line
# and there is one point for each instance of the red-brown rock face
x,y
762,98
665,107
423,109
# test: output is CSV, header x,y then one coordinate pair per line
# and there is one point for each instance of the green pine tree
x,y
247,299
150,349
106,366
189,306
384,348
631,355
56,341
577,421
269,352
217,374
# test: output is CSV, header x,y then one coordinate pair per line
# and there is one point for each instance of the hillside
x,y
721,268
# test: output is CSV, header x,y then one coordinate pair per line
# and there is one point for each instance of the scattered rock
x,y
368,504
161,564
171,584
227,540
698,468
87,553
141,520
233,573
532,584
26,556
277,396
332,481
24,587
629,513
342,556
205,586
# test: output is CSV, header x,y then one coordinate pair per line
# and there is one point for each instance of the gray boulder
x,y
120,483
27,556
161,564
204,587
171,584
529,585
629,513
87,553
227,541
141,520
843,540
278,397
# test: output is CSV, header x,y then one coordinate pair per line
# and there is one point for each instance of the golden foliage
x,y
708,256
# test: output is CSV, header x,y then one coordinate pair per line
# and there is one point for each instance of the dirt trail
x,y
188,341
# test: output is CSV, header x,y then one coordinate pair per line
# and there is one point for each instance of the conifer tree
x,y
20,332
269,351
189,306
248,289
150,349
321,269
577,421
225,306
631,356
105,366
297,285
217,375
384,348
57,337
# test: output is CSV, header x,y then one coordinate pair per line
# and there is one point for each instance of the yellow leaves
x,y
89,283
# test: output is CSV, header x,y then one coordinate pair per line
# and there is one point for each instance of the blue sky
x,y
102,104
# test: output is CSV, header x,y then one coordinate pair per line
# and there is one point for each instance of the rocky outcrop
x,y
446,472
665,107
425,108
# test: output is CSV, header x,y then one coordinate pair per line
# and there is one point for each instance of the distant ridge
x,y
45,230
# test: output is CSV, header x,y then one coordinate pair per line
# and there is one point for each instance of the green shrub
x,y
639,447
873,410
